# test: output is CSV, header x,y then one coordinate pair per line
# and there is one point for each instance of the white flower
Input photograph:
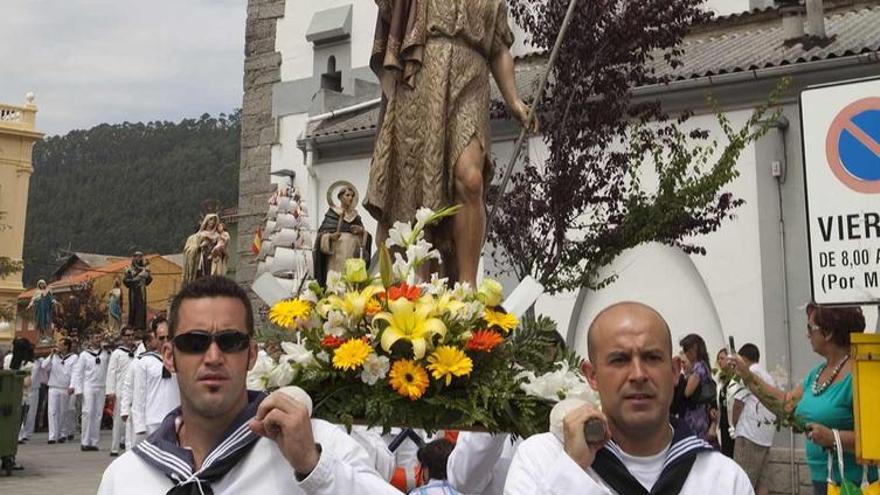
x,y
399,235
258,376
323,357
462,291
296,354
335,283
375,369
282,375
423,216
335,324
436,287
309,295
562,383
401,269
469,311
420,252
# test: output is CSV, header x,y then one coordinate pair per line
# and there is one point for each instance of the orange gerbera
x,y
408,379
332,342
373,306
484,340
410,292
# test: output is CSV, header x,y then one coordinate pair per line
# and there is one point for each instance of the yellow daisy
x,y
408,379
290,313
448,361
504,321
351,355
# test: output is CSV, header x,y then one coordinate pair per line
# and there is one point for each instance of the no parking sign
x,y
841,139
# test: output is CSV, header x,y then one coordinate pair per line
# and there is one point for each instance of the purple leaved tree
x,y
562,220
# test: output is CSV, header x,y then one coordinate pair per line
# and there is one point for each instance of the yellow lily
x,y
443,304
409,321
354,303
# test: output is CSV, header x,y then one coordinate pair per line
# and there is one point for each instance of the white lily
x,y
258,376
400,235
296,354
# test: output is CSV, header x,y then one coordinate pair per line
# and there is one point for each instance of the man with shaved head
x,y
644,452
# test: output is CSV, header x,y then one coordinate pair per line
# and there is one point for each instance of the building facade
x,y
18,133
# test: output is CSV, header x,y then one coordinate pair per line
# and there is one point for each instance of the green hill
x,y
116,188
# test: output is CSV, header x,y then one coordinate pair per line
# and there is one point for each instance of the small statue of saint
x,y
137,277
43,303
219,253
114,305
341,235
199,252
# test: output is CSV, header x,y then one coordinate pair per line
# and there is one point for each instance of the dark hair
x,y
157,320
750,352
344,190
838,322
693,340
208,287
126,328
148,335
718,354
22,352
434,455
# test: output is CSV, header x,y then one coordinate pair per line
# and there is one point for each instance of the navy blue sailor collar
x,y
680,456
162,450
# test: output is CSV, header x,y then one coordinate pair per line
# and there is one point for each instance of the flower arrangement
x,y
394,350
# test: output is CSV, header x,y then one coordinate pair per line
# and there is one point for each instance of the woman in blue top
x,y
824,401
697,371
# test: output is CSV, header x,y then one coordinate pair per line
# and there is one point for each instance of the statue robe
x,y
137,295
348,246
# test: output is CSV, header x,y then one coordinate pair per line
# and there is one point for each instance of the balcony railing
x,y
19,118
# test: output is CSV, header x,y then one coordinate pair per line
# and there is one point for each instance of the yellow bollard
x,y
866,395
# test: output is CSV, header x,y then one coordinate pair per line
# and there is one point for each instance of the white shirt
x,y
90,372
381,459
40,375
117,369
479,463
646,470
60,370
7,361
755,420
342,469
541,466
152,397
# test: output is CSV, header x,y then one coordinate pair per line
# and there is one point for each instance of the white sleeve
x,y
139,399
343,467
537,469
381,459
111,373
76,375
125,393
472,462
47,364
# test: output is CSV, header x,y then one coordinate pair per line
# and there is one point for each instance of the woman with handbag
x,y
823,402
699,389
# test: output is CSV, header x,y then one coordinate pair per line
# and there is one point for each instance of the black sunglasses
x,y
198,341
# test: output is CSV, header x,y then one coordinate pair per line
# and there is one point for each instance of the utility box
x,y
10,416
866,395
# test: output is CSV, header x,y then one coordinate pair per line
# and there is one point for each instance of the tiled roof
x,y
96,272
737,43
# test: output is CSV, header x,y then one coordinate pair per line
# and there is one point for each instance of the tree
x,y
563,220
81,312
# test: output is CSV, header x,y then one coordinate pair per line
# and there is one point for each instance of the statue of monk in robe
x,y
341,235
137,277
434,59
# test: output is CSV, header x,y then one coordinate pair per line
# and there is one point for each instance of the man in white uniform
x,y
479,462
148,340
89,382
39,377
224,440
154,387
120,360
59,365
631,367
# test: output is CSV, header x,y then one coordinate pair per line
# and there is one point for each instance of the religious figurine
x,y
137,277
433,59
114,305
43,303
341,235
219,254
198,253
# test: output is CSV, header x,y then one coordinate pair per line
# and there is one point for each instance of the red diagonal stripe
x,y
863,137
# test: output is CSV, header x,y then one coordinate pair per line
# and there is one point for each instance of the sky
x,y
109,61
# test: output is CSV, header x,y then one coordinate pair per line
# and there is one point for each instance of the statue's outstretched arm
x,y
505,76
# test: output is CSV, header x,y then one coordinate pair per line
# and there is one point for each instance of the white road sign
x,y
841,139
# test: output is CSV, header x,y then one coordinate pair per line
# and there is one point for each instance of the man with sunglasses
x,y
154,387
224,439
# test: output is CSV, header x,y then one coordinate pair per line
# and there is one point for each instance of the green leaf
x,y
385,266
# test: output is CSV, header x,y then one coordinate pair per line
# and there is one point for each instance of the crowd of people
x,y
181,408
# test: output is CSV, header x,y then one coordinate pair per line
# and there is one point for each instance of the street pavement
x,y
57,469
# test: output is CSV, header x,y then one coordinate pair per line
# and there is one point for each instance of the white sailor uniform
x,y
89,380
60,369
154,393
120,360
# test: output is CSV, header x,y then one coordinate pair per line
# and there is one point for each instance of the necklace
x,y
817,388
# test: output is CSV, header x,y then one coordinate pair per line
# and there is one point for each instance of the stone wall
x,y
262,69
779,476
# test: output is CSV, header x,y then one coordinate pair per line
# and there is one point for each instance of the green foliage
x,y
116,188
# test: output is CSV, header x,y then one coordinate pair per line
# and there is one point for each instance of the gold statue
x,y
433,59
